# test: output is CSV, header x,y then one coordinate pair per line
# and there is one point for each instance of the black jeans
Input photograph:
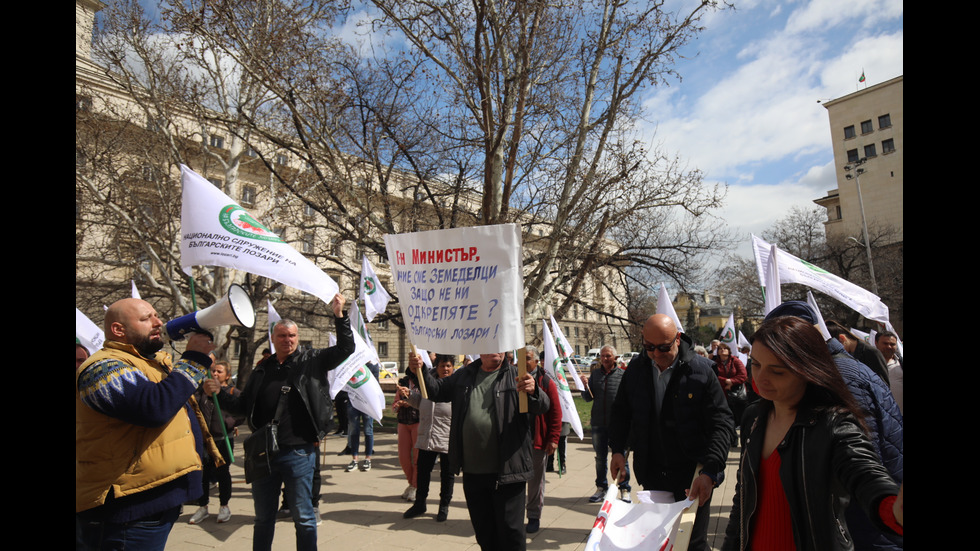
x,y
426,462
496,511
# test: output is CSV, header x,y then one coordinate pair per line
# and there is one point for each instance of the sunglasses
x,y
661,347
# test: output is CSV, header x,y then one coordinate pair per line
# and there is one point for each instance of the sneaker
x,y
345,451
352,466
411,494
284,511
199,515
533,525
405,493
414,511
316,511
624,495
224,514
598,496
366,465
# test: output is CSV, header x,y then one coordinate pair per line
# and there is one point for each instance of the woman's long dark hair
x,y
799,345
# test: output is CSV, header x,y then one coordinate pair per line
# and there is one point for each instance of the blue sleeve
x,y
122,391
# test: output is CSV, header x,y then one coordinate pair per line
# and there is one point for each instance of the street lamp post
x,y
858,171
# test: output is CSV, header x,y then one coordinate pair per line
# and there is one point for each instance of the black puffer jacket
x,y
308,373
694,427
826,460
515,436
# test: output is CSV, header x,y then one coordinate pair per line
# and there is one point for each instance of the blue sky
x,y
746,111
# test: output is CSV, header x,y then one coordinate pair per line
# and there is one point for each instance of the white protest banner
x,y
771,290
728,335
565,353
794,270
461,290
87,333
360,328
273,318
553,365
665,307
134,292
373,294
646,525
216,231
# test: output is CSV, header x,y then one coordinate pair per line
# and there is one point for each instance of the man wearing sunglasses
x,y
672,413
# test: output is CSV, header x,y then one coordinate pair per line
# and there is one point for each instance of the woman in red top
x,y
806,452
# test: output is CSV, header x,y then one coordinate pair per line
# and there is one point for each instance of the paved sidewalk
x,y
363,510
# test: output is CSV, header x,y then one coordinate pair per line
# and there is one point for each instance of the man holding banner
x,y
300,377
671,412
491,442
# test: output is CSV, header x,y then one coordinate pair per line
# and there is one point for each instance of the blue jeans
x,y
147,533
600,444
293,467
355,418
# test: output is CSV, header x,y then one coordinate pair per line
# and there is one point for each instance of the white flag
x,y
820,323
360,329
362,387
772,291
728,335
645,525
87,333
565,353
373,294
134,292
273,318
664,306
794,270
216,231
553,365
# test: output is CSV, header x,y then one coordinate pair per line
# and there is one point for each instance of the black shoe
x,y
443,514
414,511
533,525
345,451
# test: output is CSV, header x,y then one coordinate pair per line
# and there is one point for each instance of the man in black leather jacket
x,y
303,372
672,413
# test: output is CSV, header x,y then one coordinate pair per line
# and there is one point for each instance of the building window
x,y
83,103
839,215
281,159
852,155
251,152
217,141
866,127
382,349
248,195
849,132
308,210
869,150
308,243
576,332
218,183
887,146
885,121
383,325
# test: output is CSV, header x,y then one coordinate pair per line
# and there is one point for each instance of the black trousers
x,y
496,511
426,461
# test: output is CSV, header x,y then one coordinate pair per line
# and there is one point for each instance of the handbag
x,y
262,446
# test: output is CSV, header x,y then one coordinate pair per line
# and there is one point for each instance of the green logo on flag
x,y
358,378
238,221
727,336
560,375
369,286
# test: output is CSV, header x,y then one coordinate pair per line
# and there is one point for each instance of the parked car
x,y
389,370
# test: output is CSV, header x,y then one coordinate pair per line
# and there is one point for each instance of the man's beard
x,y
148,348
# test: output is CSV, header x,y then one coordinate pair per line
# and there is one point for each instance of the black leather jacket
x,y
695,425
826,460
308,372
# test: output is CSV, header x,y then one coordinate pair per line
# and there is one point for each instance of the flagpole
x,y
421,378
214,397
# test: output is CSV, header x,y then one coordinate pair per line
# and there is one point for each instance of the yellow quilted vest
x,y
114,455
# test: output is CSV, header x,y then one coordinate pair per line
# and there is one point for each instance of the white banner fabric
x,y
461,290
